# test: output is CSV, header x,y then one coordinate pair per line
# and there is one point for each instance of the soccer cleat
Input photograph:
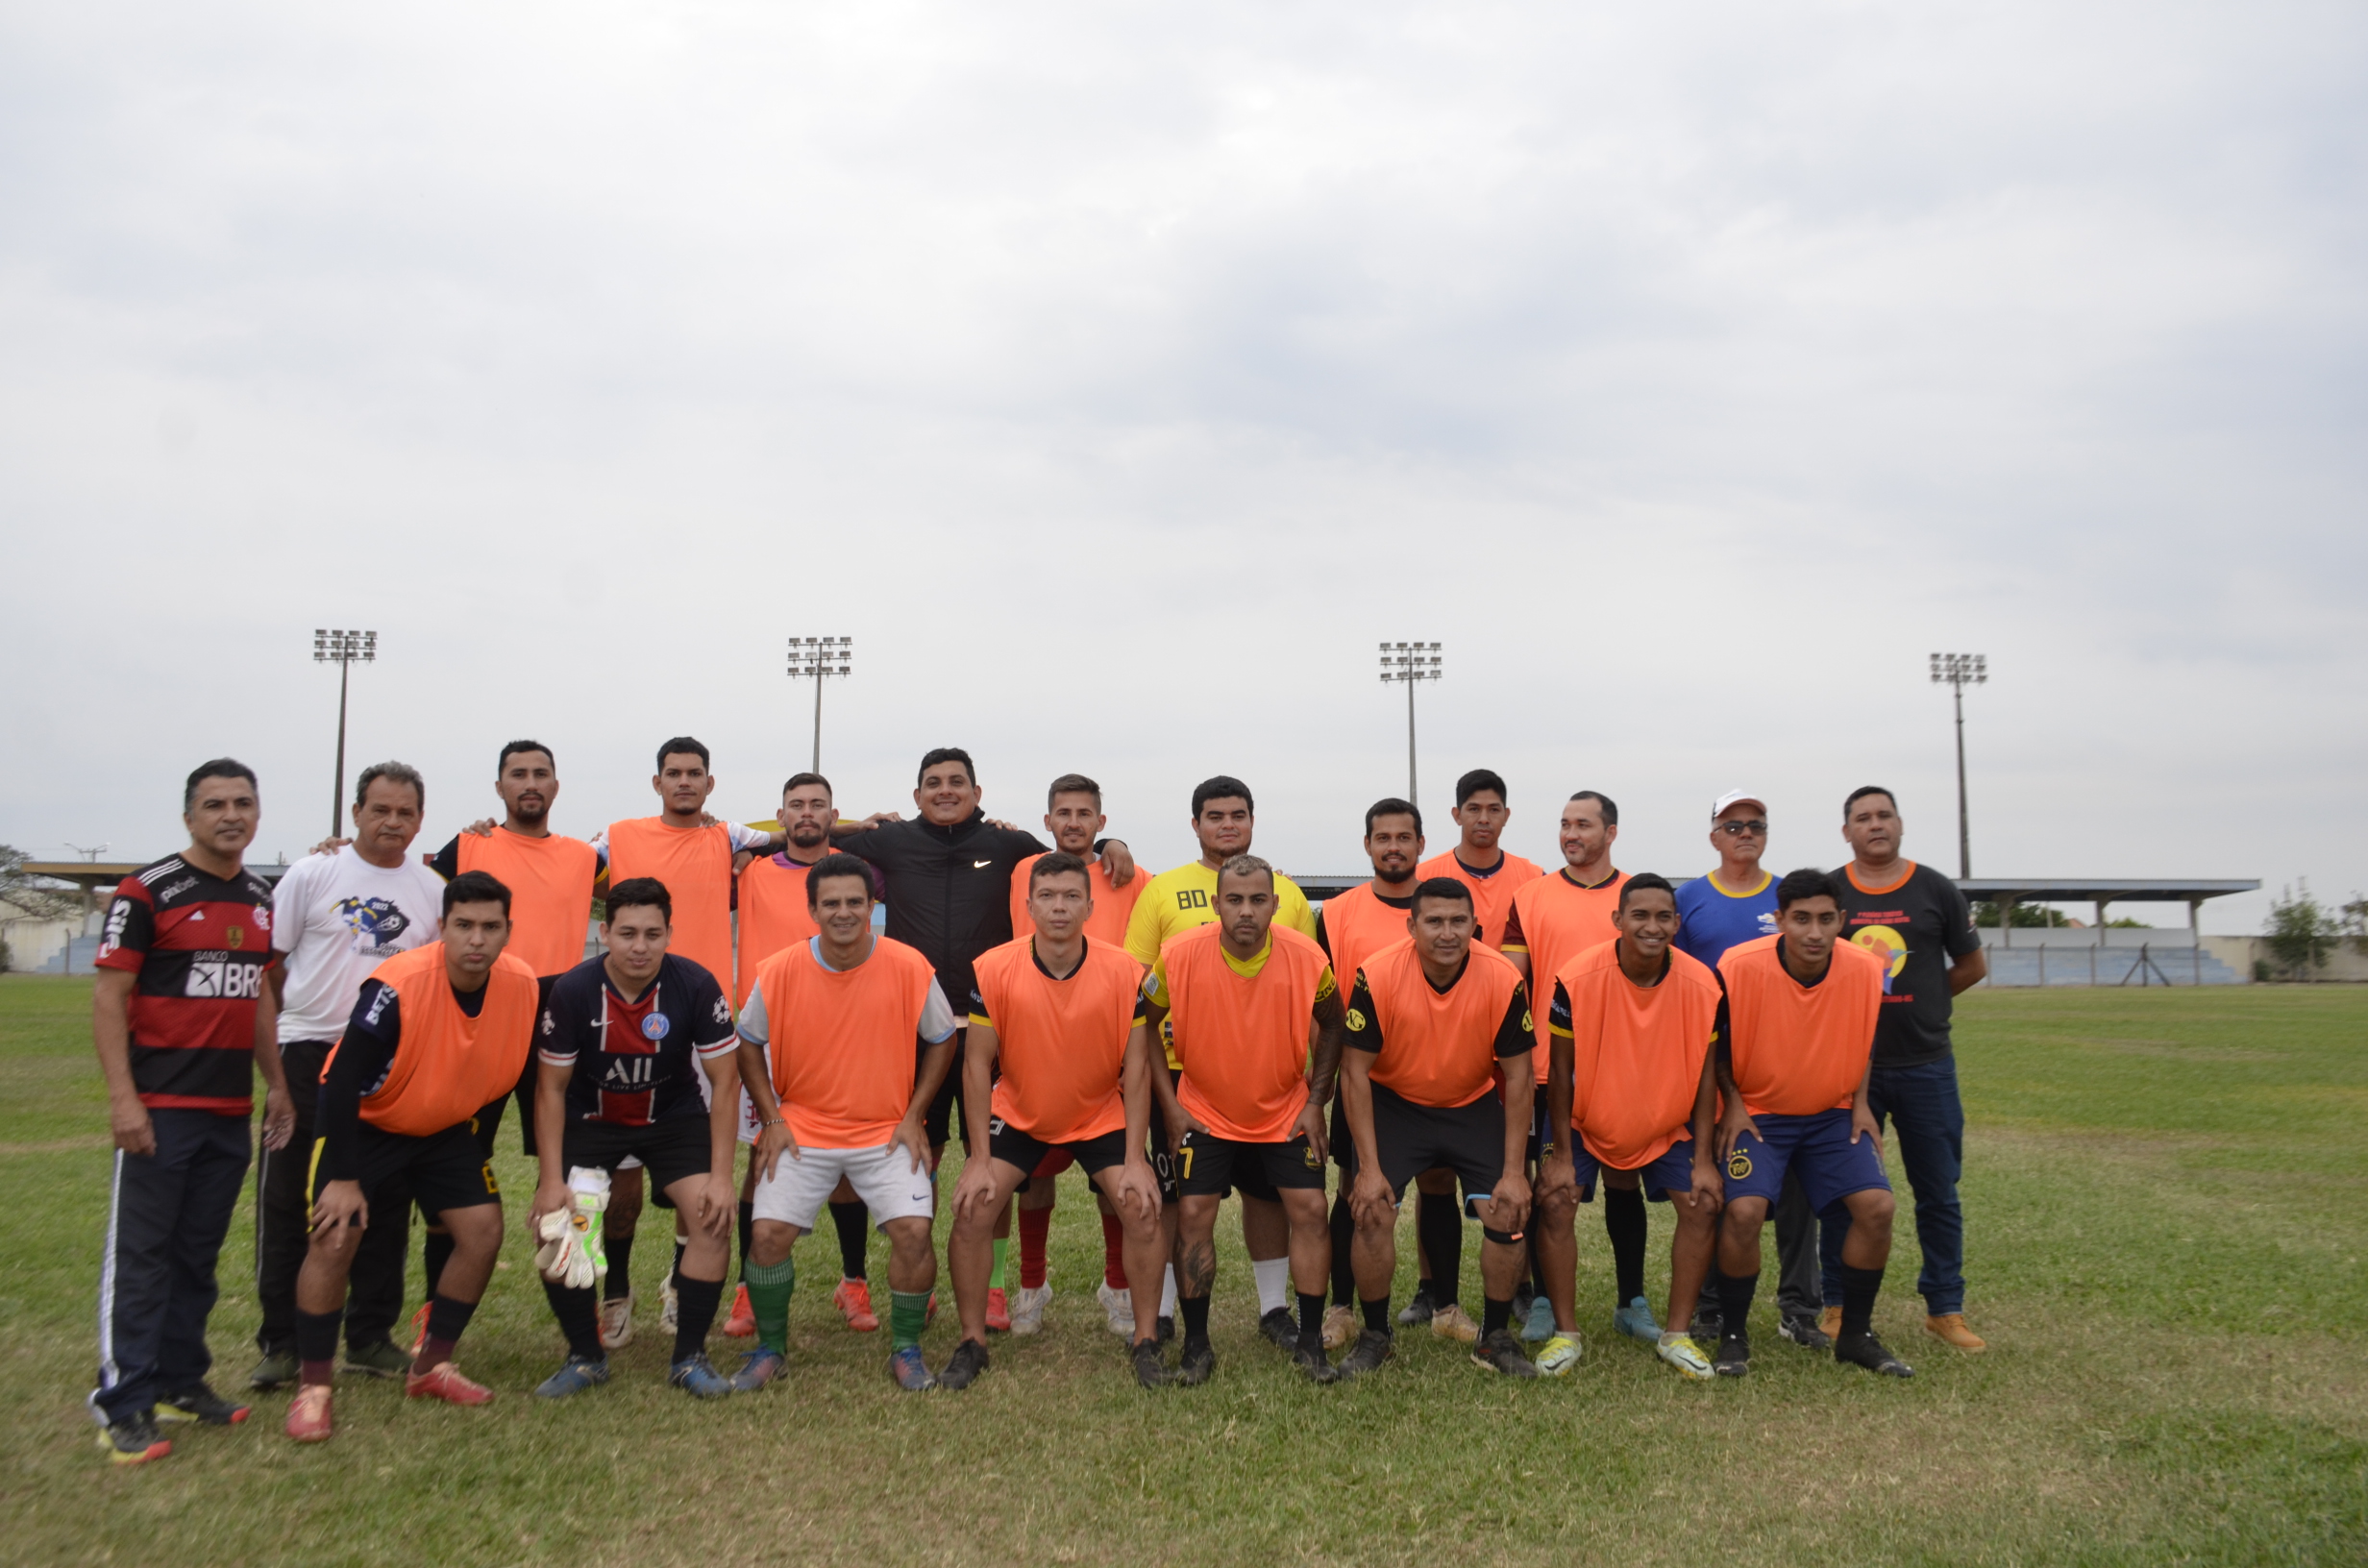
x,y
1830,1320
911,1372
419,1328
998,1312
444,1381
1501,1352
1558,1355
1635,1320
963,1366
853,1300
575,1375
1539,1322
379,1358
278,1368
1418,1310
1313,1363
201,1403
696,1375
309,1417
1949,1328
1680,1350
1373,1348
1734,1357
1281,1326
616,1322
1027,1314
1708,1321
757,1370
1119,1308
669,1304
1340,1327
1198,1364
1452,1322
136,1440
1803,1331
1867,1351
741,1324
1150,1372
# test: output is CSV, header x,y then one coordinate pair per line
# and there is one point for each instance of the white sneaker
x,y
1027,1308
667,1305
616,1322
1118,1305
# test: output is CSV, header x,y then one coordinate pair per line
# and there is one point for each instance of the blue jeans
x,y
1920,1104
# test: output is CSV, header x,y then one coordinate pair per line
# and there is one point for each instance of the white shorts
x,y
883,1178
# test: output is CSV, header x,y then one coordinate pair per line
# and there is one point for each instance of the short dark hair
x,y
796,779
837,863
219,767
1862,793
1441,887
684,746
475,888
1478,779
1222,787
1072,784
640,892
937,754
1810,882
514,747
1390,806
1247,865
1603,802
394,773
1645,882
1058,863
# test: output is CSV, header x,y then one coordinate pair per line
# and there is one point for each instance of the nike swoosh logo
x,y
980,865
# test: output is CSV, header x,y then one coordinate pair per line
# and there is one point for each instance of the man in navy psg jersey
x,y
621,1048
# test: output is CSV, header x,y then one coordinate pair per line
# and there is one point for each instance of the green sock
x,y
994,1281
769,1288
908,1313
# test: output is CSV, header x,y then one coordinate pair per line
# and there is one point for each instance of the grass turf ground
x,y
2165,1193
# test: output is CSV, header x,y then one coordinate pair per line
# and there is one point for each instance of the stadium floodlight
x,y
342,648
1409,663
818,658
1957,672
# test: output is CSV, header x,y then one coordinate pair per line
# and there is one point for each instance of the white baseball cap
x,y
1736,798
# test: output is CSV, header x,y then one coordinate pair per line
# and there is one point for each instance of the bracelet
x,y
775,1122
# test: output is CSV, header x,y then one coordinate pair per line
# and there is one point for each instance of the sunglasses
x,y
1753,829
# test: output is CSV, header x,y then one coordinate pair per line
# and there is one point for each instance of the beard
x,y
806,835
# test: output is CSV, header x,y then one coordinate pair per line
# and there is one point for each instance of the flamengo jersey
x,y
1059,1041
1636,1052
636,1062
550,881
1800,1049
842,1042
1240,1040
199,945
447,1066
1491,895
695,863
1434,1047
1113,905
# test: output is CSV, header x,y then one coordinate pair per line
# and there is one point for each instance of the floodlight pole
x,y
820,657
1957,672
342,648
1409,662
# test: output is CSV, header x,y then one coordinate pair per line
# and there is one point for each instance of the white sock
x,y
1166,1293
1273,1282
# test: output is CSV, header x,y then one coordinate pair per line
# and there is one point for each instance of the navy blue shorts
x,y
1672,1172
1815,1148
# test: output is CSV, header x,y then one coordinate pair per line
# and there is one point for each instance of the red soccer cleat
x,y
308,1415
741,1322
443,1380
998,1312
853,1300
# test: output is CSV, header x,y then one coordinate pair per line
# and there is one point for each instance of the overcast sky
x,y
1119,375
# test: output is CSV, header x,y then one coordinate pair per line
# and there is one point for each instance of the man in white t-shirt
x,y
336,917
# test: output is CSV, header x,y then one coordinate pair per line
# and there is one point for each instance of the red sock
x,y
1035,1225
1113,1252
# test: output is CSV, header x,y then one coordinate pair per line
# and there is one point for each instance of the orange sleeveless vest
x,y
1060,1044
844,1043
1800,1049
772,916
695,863
1439,1050
1242,1040
447,1065
550,882
1635,1052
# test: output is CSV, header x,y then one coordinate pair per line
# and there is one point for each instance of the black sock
x,y
1623,1221
695,1304
1857,1298
620,1267
1710,1282
1439,1225
747,1225
448,1319
316,1335
1377,1314
849,1218
435,1254
1195,1310
1343,1259
1311,1321
673,1270
1734,1294
580,1319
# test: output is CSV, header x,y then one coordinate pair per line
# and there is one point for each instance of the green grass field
x,y
2168,1201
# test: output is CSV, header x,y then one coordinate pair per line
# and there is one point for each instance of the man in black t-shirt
x,y
1918,921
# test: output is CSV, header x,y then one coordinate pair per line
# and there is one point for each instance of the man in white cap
x,y
1735,904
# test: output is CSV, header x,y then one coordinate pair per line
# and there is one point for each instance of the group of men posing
x,y
1734,1046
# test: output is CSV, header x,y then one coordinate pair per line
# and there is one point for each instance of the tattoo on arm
x,y
1331,1033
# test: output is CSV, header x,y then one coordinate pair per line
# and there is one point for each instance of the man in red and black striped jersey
x,y
181,965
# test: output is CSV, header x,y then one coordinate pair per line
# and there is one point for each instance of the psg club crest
x,y
655,1027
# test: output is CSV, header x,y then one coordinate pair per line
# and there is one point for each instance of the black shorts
x,y
671,1149
1014,1147
441,1170
1207,1166
1469,1140
944,1118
